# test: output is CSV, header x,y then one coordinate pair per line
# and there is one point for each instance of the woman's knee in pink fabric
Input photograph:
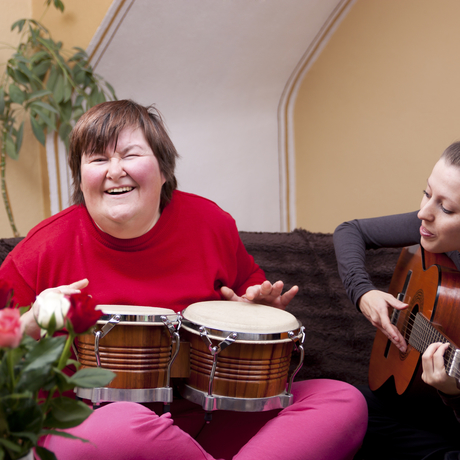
x,y
332,397
123,430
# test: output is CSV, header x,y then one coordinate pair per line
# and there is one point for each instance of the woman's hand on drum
x,y
374,306
265,293
434,371
28,319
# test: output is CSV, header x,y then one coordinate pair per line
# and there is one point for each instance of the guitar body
x,y
430,284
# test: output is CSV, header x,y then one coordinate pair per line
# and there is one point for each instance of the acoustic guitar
x,y
430,284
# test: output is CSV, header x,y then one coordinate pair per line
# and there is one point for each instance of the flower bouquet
x,y
32,381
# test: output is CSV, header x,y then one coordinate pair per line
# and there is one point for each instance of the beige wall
x,y
372,115
376,110
27,177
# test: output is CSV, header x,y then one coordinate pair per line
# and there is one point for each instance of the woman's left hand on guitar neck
x,y
434,371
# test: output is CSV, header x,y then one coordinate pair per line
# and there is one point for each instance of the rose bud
x,y
10,328
51,304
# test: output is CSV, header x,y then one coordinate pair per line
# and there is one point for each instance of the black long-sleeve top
x,y
351,239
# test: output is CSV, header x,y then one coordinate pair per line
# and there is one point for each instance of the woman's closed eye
x,y
443,209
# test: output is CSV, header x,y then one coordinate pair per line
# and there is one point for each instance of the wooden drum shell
x,y
244,370
138,354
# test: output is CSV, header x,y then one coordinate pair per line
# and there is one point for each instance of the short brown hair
x,y
452,154
100,127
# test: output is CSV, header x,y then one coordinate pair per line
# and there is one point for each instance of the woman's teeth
x,y
119,190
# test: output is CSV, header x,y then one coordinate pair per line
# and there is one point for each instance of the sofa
x,y
338,338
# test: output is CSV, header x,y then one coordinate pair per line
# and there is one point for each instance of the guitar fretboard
x,y
423,334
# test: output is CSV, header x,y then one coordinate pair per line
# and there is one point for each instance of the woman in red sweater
x,y
131,238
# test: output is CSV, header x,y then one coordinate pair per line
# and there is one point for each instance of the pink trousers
x,y
327,421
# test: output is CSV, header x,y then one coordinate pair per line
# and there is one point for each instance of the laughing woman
x,y
131,238
401,427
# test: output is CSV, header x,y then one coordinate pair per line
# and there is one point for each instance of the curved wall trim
x,y
286,108
108,28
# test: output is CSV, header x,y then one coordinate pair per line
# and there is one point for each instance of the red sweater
x,y
193,250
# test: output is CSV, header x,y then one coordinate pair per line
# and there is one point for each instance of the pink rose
x,y
10,328
6,294
82,313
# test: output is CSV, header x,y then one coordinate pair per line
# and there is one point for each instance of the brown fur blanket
x,y
338,339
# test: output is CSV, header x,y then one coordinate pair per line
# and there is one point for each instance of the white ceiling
x,y
218,71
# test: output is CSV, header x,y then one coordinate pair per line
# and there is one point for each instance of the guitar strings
x,y
426,335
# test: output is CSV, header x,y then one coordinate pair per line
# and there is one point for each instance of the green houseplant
x,y
46,84
33,384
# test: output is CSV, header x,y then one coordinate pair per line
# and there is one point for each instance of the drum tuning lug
x,y
169,325
228,341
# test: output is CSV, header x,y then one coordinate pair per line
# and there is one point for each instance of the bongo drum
x,y
240,355
135,343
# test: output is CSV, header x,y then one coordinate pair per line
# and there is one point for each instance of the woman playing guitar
x,y
408,426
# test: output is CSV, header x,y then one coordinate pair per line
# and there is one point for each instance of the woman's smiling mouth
x,y
119,190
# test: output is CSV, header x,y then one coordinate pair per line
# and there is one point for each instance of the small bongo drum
x,y
135,343
240,355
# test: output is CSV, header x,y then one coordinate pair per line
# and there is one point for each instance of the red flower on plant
x,y
82,313
6,294
10,328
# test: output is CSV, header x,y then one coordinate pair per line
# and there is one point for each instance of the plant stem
x,y
66,352
6,199
10,363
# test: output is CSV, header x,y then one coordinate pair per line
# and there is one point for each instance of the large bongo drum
x,y
136,343
240,355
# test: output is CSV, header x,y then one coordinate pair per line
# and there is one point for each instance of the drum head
x,y
135,315
241,317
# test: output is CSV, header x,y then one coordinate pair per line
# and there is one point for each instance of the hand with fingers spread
x,y
265,293
374,306
29,319
434,371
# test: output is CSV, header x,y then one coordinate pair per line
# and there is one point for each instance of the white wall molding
x,y
287,153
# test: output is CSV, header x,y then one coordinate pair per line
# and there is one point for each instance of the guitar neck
x,y
423,334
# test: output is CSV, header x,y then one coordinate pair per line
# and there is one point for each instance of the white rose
x,y
50,303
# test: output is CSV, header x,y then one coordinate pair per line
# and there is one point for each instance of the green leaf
x,y
58,90
26,416
66,413
19,137
77,113
78,75
112,91
66,110
63,434
11,148
21,77
44,453
64,131
40,69
67,90
92,377
10,445
34,379
38,56
16,94
44,105
59,5
51,83
47,351
44,117
24,70
19,24
39,94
